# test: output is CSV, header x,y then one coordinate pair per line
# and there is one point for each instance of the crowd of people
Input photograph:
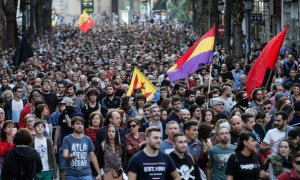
x,y
65,112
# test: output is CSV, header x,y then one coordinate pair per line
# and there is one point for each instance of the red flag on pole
x,y
85,22
266,59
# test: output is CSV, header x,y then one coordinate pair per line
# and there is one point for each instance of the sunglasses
x,y
132,126
297,162
265,108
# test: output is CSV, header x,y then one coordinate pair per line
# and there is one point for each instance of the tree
x,y
2,26
227,24
238,10
10,11
178,10
200,16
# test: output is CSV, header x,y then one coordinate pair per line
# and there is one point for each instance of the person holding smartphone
x,y
78,150
111,155
295,173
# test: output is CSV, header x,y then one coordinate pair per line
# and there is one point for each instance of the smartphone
x,y
120,172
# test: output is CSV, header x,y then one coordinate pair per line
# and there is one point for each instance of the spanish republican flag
x,y
266,59
200,53
138,80
85,22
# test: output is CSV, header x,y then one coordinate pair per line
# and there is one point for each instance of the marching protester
x,y
133,119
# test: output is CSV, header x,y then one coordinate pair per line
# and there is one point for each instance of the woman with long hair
x,y
245,163
278,78
40,114
208,118
96,121
127,106
280,162
204,137
6,140
111,154
139,104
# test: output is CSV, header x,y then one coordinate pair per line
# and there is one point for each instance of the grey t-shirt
x,y
219,157
80,147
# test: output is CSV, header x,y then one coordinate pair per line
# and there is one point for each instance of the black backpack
x,y
24,169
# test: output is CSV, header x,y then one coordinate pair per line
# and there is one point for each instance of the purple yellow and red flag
x,y
200,53
85,22
138,80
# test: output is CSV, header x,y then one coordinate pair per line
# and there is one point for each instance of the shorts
x,y
44,175
79,178
62,162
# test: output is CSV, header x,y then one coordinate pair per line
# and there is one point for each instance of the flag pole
x,y
271,72
209,82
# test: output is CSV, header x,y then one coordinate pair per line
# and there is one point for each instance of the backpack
x,y
24,169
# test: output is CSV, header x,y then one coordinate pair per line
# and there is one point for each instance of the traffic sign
x,y
221,29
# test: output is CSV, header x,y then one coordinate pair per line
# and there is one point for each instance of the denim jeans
x,y
79,178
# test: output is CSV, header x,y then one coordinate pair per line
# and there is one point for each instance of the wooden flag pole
x,y
209,83
271,72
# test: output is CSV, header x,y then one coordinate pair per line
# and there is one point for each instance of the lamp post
x,y
248,8
220,10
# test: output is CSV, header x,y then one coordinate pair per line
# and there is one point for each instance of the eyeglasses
x,y
132,126
297,162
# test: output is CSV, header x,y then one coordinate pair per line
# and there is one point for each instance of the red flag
x,y
85,22
266,59
86,25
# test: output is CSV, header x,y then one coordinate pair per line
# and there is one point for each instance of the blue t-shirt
x,y
166,147
219,157
80,147
149,168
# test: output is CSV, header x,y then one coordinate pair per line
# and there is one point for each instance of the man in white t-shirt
x,y
273,136
14,107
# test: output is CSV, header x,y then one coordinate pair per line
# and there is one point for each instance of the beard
x,y
157,118
224,141
180,150
154,146
110,95
78,131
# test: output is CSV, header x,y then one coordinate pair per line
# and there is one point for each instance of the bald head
x,y
236,124
185,115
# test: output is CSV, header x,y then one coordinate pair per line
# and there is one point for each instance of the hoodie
x,y
22,163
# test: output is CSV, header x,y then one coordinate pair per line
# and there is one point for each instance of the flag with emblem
x,y
138,80
266,59
85,22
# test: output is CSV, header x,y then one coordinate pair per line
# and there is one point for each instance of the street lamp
x,y
248,7
221,5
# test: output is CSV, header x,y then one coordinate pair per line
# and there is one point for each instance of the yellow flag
x,y
82,18
138,80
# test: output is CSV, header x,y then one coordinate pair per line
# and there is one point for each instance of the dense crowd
x,y
65,112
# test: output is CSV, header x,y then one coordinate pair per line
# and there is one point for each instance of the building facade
x,y
71,9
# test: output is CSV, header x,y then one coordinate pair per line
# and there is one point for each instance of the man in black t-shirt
x,y
236,125
49,97
151,163
92,105
184,163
